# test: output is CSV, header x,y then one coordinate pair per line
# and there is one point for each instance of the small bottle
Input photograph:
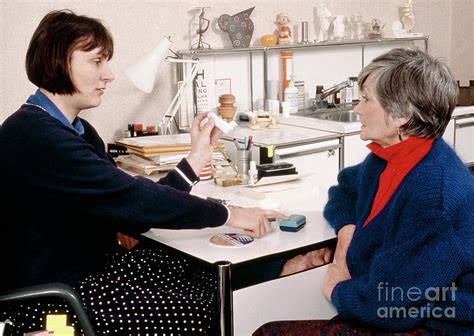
x,y
349,95
355,89
291,96
253,173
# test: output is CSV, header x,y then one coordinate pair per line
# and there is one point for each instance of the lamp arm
x,y
165,123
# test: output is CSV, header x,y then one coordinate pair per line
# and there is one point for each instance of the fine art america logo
x,y
407,299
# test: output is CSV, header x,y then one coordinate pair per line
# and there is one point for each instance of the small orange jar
x,y
268,40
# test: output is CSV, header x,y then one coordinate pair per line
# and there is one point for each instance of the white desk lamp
x,y
143,75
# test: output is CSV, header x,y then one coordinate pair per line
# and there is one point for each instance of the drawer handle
x,y
329,149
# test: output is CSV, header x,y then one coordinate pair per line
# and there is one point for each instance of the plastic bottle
x,y
253,173
291,96
286,70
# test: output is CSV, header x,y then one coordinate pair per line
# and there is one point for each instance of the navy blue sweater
x,y
66,200
420,244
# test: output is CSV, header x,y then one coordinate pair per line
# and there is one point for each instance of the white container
x,y
273,107
355,89
291,96
285,107
253,173
346,95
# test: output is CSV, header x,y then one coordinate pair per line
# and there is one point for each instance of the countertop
x,y
347,128
284,135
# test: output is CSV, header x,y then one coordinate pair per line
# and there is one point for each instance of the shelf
x,y
211,52
260,55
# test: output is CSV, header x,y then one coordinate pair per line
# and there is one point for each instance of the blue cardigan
x,y
65,200
420,245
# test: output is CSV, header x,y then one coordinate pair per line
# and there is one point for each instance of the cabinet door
x,y
448,135
321,160
464,139
355,150
295,297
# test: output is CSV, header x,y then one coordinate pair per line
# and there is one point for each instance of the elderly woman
x,y
404,217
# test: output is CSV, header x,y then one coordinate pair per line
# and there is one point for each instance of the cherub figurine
x,y
284,30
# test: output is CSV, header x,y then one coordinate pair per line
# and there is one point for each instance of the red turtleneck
x,y
401,158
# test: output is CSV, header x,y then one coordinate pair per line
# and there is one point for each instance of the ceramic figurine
x,y
203,27
376,29
263,119
407,16
283,27
239,27
323,14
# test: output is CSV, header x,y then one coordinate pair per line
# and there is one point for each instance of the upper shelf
x,y
302,46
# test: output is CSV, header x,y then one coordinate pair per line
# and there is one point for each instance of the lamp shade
x,y
143,73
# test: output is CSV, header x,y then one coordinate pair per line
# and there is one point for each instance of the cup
x,y
304,32
273,107
243,161
285,108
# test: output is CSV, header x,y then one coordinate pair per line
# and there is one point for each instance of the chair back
x,y
59,290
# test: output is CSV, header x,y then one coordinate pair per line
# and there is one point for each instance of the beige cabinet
x,y
320,159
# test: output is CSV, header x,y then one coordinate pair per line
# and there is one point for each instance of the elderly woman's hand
x,y
344,238
306,261
338,270
203,140
334,276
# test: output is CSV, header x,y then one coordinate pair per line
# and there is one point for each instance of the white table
x,y
242,310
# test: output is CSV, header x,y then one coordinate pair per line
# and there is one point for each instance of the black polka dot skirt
x,y
145,291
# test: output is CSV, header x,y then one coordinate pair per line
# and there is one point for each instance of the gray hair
x,y
412,84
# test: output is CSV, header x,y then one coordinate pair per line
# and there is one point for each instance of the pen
x,y
249,147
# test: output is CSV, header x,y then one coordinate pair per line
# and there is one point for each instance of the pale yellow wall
x,y
462,46
137,24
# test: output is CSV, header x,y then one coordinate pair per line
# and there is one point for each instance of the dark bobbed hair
x,y
412,84
58,35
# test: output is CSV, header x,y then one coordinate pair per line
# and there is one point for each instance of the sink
x,y
341,116
346,116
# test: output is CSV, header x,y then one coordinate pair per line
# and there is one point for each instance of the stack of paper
x,y
151,146
143,168
159,153
155,153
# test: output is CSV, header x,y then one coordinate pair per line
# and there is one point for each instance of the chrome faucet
x,y
336,88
